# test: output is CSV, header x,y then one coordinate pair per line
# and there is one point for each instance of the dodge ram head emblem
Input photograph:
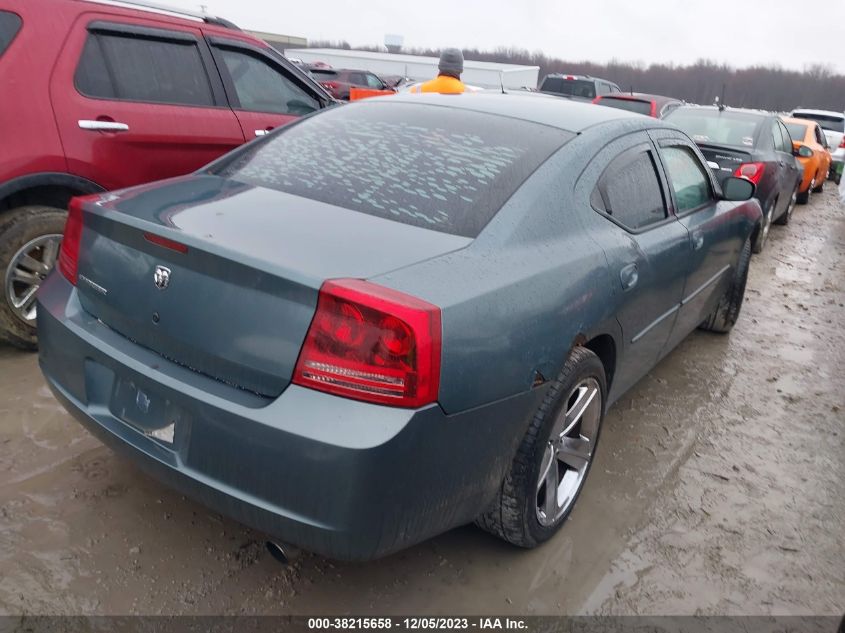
x,y
161,277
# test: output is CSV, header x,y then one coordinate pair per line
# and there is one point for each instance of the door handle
x,y
629,276
697,240
263,132
103,126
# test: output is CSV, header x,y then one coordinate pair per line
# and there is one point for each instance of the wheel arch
x,y
52,189
603,342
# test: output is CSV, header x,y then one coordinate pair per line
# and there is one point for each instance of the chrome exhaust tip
x,y
282,552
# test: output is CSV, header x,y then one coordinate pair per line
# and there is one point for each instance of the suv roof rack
x,y
144,5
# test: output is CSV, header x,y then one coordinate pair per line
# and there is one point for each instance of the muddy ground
x,y
719,487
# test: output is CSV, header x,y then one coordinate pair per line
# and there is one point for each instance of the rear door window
x,y
135,68
445,169
10,24
630,190
831,122
688,178
571,87
262,87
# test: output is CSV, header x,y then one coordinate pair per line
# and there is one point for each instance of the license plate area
x,y
148,411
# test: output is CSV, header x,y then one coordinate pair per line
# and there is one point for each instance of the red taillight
x,y
69,251
372,343
173,245
751,171
330,85
842,144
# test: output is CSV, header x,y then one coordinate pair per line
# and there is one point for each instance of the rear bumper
x,y
345,479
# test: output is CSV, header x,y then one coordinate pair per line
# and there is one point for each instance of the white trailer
x,y
419,68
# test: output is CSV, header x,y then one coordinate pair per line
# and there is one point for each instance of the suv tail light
x,y
329,85
372,343
69,251
842,144
751,171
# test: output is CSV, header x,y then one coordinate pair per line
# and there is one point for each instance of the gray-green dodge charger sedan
x,y
393,317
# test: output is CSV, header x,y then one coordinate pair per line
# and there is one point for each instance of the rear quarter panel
x,y
530,286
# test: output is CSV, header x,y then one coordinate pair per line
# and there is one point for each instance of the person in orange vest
x,y
448,81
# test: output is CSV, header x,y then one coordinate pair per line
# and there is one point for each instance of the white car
x,y
833,124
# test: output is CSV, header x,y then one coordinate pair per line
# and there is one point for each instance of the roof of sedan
x,y
572,116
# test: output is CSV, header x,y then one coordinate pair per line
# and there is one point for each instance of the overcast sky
x,y
783,32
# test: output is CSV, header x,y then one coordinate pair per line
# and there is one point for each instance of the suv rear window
x,y
570,87
711,126
631,105
439,168
144,69
10,24
830,122
321,74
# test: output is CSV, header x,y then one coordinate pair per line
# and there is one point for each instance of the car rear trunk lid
x,y
723,160
237,303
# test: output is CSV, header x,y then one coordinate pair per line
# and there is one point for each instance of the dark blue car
x,y
393,317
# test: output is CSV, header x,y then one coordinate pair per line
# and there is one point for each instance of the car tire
x,y
26,232
804,198
820,188
516,514
765,226
723,318
784,219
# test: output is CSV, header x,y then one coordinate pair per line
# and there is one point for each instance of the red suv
x,y
100,96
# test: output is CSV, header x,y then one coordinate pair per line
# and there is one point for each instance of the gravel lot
x,y
719,487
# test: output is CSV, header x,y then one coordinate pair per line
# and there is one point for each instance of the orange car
x,y
813,154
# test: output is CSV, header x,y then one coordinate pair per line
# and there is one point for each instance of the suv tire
x,y
26,233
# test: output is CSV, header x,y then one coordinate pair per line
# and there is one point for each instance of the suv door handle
x,y
263,132
629,276
697,240
103,126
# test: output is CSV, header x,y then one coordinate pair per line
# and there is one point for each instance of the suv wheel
x,y
29,246
552,463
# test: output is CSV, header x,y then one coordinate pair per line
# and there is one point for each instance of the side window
x,y
604,88
780,143
787,139
630,190
820,137
260,87
669,107
133,68
10,24
374,82
688,177
614,88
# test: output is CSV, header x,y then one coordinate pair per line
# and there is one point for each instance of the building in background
x,y
419,68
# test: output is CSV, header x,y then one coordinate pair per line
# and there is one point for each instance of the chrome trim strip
x,y
704,285
656,322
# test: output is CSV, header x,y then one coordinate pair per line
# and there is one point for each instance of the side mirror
x,y
737,189
803,151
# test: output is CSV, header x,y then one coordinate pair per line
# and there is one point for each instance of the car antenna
x,y
721,101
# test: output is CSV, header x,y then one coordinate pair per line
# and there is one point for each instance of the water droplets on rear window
x,y
439,168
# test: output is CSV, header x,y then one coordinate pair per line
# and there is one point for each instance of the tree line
x,y
767,88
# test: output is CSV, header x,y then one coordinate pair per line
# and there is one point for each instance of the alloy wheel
x,y
792,201
28,268
569,452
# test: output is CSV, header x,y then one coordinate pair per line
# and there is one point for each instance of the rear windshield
x,y
439,168
833,123
10,24
631,105
571,87
712,126
797,132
